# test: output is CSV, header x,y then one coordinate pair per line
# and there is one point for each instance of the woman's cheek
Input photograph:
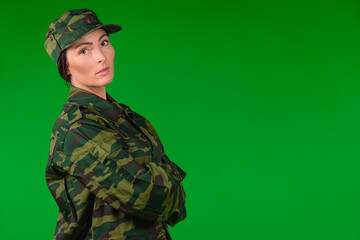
x,y
85,67
111,52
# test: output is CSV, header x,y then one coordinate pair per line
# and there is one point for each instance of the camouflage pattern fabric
x,y
109,174
70,27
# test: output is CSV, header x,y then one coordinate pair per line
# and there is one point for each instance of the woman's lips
x,y
103,71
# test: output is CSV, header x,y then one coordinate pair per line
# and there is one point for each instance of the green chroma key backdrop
x,y
258,101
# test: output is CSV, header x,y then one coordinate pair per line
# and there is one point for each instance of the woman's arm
x,y
137,186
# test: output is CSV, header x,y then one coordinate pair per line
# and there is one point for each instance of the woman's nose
x,y
99,56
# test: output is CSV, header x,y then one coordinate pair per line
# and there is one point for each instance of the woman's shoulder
x,y
75,120
69,116
74,116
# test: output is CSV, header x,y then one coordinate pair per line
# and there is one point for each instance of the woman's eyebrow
x,y
102,36
85,43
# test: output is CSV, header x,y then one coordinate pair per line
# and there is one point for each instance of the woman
x,y
107,169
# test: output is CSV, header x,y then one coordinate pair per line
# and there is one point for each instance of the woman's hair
x,y
62,67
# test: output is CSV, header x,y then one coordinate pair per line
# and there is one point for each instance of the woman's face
x,y
91,61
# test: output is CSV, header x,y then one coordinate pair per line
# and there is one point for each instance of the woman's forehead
x,y
91,37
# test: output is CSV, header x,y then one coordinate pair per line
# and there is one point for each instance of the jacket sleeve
x,y
137,186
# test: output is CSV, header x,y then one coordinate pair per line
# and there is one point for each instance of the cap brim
x,y
111,28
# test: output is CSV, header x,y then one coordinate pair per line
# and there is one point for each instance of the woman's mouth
x,y
103,71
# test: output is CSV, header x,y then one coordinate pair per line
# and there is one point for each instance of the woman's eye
x,y
105,43
83,51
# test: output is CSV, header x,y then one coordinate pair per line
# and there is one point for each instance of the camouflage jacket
x,y
109,175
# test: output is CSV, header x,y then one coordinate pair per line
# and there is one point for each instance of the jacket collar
x,y
110,109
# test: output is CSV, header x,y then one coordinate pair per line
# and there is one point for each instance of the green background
x,y
258,101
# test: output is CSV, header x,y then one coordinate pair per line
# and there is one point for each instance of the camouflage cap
x,y
70,27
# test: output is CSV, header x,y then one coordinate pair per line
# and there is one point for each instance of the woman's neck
x,y
98,91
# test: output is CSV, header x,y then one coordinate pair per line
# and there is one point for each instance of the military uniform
x,y
109,174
